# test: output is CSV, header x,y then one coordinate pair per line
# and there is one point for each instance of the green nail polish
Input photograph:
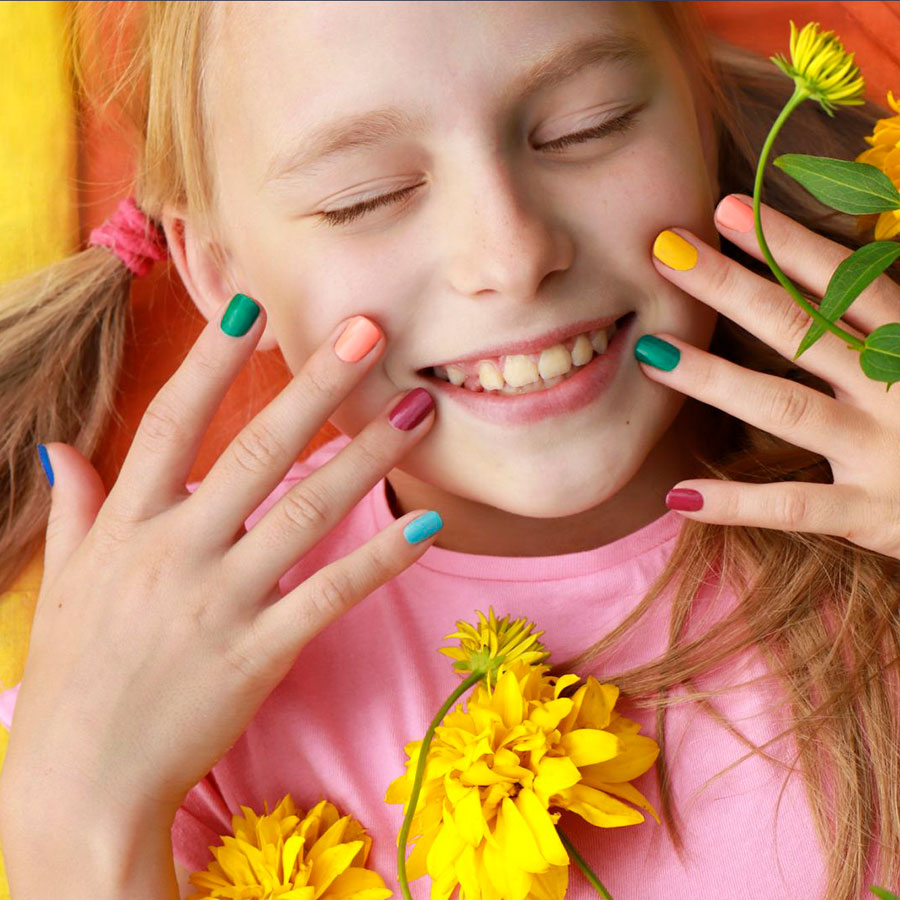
x,y
656,352
240,315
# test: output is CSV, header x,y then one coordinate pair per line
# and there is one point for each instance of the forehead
x,y
278,68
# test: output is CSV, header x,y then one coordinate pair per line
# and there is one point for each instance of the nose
x,y
501,241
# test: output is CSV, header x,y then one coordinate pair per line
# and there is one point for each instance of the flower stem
x,y
585,868
799,95
413,801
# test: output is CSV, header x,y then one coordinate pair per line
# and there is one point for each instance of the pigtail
x,y
62,335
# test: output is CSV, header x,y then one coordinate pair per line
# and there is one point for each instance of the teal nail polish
x,y
45,462
656,352
240,315
423,527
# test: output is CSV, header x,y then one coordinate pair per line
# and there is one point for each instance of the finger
x,y
257,459
76,495
794,412
758,305
807,258
312,508
165,445
283,628
784,505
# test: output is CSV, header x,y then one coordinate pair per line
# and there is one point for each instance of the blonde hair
x,y
823,611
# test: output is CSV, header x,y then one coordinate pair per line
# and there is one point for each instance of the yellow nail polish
x,y
673,250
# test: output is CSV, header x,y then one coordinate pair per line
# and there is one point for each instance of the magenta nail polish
x,y
411,409
684,499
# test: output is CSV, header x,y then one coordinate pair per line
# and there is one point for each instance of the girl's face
x,y
497,234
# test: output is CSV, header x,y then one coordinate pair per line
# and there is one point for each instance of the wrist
x,y
50,845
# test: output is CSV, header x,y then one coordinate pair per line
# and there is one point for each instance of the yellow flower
x,y
884,154
820,66
499,772
493,644
287,855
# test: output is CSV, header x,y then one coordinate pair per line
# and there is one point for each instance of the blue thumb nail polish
x,y
423,527
45,462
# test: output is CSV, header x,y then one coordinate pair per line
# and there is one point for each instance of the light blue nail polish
x,y
423,527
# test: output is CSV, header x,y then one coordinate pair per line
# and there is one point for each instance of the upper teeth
x,y
519,370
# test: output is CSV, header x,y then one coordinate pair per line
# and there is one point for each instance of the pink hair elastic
x,y
132,237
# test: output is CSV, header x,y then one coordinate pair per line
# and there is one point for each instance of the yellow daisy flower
x,y
820,66
884,154
287,855
493,644
499,772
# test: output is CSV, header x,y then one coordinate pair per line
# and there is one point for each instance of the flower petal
x,y
542,828
598,808
586,746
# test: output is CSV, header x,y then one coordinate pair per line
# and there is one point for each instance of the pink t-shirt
x,y
335,727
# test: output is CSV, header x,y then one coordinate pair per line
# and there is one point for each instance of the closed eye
x,y
612,126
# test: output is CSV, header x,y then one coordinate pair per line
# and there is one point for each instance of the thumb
x,y
77,493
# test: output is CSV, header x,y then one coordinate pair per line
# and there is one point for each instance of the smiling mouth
x,y
522,373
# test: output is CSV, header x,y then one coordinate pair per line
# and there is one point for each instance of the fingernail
x,y
358,337
411,409
673,250
240,315
656,352
423,527
45,462
734,214
684,499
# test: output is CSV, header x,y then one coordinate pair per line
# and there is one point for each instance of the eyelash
x,y
612,126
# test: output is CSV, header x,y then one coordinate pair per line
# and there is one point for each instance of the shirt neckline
x,y
661,531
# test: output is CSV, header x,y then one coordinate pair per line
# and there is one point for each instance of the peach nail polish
x,y
357,339
735,214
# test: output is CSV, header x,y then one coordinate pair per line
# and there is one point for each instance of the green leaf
x,y
880,357
849,280
881,892
850,187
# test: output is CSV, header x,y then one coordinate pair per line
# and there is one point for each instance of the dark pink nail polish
x,y
411,409
684,499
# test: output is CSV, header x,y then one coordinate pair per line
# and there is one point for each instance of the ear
x,y
206,280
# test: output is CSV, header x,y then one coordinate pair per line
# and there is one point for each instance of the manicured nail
x,y
240,315
45,462
411,409
656,352
733,213
423,527
358,337
684,499
673,250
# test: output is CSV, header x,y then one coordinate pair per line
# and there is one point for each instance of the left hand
x,y
857,431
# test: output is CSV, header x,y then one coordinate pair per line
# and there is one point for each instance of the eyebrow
x,y
377,126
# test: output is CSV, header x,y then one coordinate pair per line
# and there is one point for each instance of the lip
x,y
533,345
571,394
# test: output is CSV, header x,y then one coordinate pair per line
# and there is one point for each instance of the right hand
x,y
159,629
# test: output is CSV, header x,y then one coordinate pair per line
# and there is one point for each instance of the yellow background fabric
x,y
38,221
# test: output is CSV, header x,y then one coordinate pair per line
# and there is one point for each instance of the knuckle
x,y
722,279
792,508
793,323
305,507
316,383
257,448
161,425
789,407
331,596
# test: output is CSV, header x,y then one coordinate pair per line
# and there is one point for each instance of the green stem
x,y
413,802
797,98
585,868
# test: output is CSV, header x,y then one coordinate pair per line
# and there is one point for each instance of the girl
x,y
413,194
